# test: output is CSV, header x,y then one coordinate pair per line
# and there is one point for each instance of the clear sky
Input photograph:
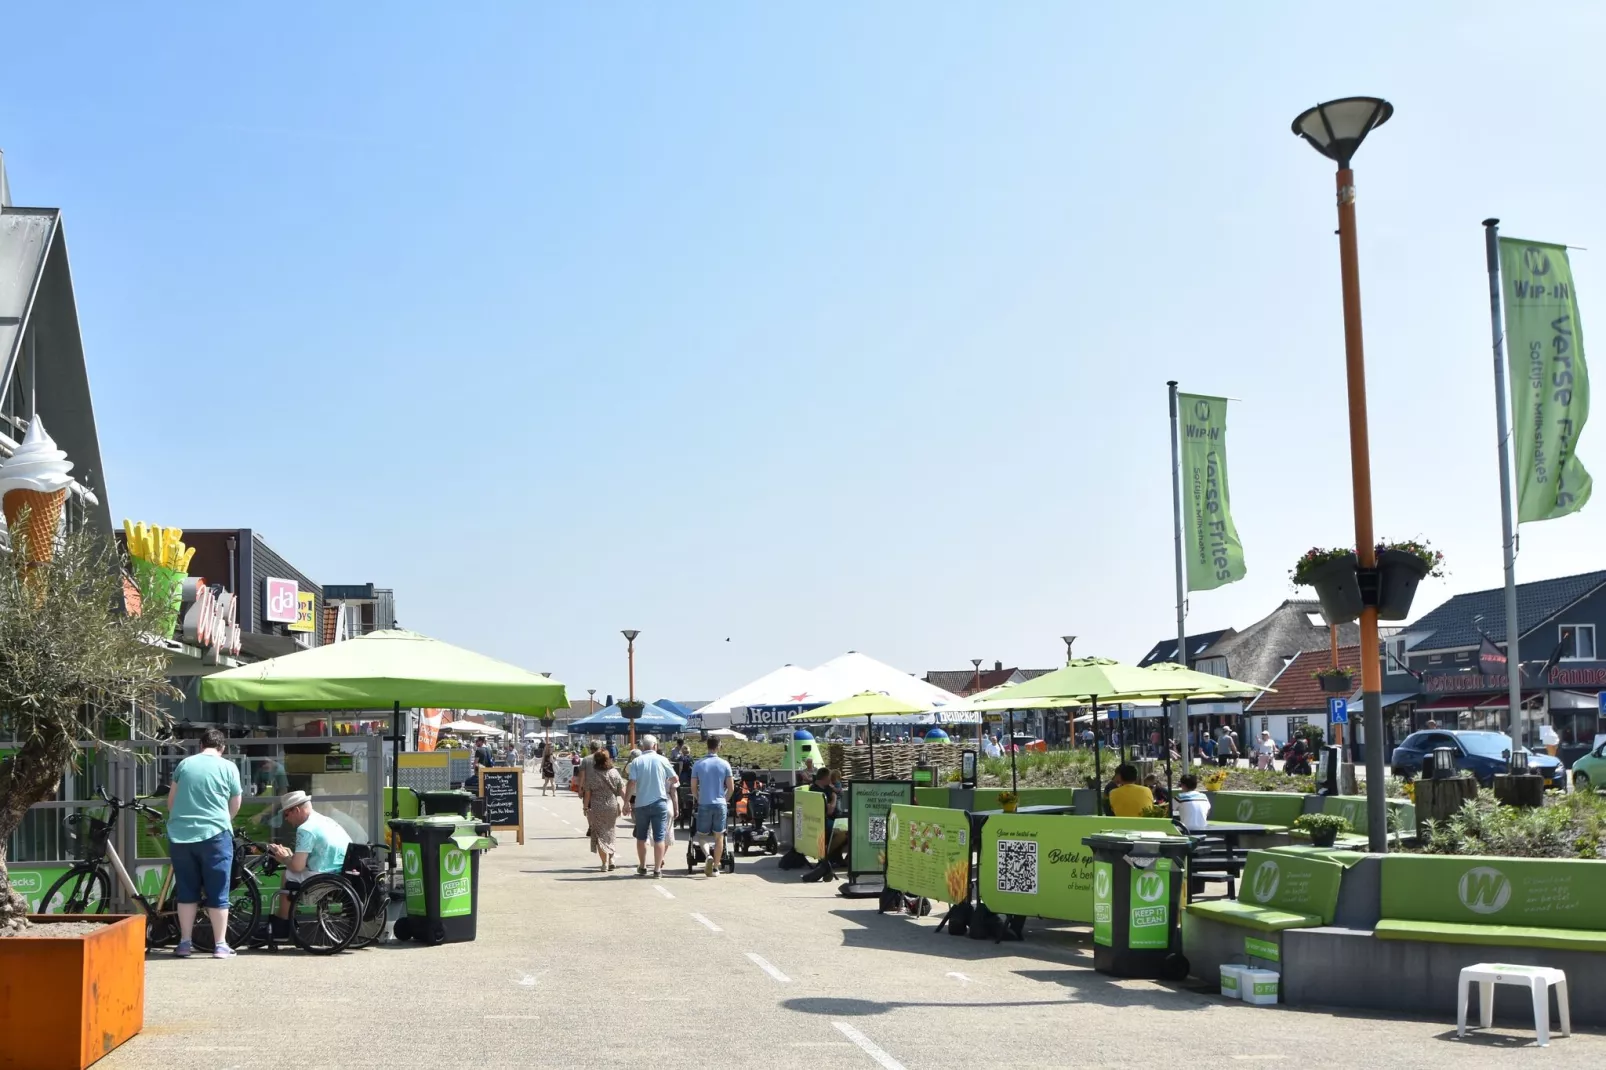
x,y
806,327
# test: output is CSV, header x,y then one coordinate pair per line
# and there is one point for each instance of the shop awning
x,y
389,667
1474,701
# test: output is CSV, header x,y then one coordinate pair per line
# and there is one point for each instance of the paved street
x,y
576,969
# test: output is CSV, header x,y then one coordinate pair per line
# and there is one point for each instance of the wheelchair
x,y
331,912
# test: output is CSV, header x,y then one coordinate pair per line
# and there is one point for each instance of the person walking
x,y
604,788
651,801
549,773
201,806
711,785
1265,751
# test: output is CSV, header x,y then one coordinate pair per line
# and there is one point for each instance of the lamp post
x,y
630,659
975,686
1068,639
1336,129
1070,722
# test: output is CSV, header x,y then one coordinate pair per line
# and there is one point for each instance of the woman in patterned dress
x,y
603,789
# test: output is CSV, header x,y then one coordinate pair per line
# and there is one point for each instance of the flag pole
x,y
1508,530
1179,730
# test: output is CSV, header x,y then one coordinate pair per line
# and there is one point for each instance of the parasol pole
x,y
1013,782
1170,786
869,734
1098,764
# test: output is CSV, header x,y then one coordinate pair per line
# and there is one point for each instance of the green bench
x,y
1280,890
1501,902
1353,809
1256,807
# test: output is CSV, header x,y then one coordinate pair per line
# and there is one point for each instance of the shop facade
x,y
1450,666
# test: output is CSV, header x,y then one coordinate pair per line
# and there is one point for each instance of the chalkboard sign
x,y
503,792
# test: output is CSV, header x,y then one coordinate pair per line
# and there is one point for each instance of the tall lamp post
x,y
975,686
1070,723
1336,129
630,659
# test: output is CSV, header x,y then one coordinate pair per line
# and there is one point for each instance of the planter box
x,y
1337,685
1398,573
1338,588
67,1001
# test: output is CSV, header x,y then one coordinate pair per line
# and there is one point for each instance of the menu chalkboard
x,y
503,792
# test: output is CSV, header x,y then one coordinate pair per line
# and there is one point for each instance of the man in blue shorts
x,y
711,785
651,798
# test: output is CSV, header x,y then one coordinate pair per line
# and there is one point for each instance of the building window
x,y
1394,655
1215,666
1577,642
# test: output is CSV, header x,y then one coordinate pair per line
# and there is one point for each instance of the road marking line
x,y
769,969
513,1017
665,892
868,1046
959,977
705,923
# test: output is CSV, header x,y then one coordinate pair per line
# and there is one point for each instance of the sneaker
x,y
641,871
708,867
657,873
184,950
611,866
223,951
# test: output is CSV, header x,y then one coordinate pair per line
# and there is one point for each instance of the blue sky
x,y
809,327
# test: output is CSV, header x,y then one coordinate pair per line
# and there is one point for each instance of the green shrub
x,y
1570,827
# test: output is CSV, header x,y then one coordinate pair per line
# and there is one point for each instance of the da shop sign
x,y
1060,868
280,603
413,871
457,888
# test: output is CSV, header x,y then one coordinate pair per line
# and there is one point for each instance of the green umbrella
x,y
390,667
866,704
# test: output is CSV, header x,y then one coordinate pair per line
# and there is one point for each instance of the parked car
x,y
1589,772
1483,754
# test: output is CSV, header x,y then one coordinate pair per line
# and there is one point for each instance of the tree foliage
x,y
71,656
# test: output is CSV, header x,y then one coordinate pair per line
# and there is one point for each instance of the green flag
x,y
1210,545
1549,383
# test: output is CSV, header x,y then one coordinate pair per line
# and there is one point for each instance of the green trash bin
x,y
441,866
452,801
1138,882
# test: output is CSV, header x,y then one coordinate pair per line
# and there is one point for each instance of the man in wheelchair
x,y
320,847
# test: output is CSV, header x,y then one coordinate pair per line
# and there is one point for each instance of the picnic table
x,y
1227,860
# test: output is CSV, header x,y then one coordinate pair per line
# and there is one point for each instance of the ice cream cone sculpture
x,y
33,492
159,546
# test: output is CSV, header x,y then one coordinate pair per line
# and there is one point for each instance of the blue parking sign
x,y
1338,710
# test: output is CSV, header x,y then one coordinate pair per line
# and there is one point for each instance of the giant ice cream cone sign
x,y
33,492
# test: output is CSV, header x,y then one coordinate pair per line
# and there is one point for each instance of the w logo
x,y
410,863
1246,809
1151,887
1264,883
1101,884
454,862
1484,890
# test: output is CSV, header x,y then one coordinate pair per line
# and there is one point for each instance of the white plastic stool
x,y
1537,979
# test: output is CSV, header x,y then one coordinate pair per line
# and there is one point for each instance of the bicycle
x,y
86,887
329,912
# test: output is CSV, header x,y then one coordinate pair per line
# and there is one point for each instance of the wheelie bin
x,y
441,866
452,801
1138,884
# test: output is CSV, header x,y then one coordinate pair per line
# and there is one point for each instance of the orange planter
x,y
67,1001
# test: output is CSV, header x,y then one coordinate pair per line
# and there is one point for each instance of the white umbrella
x,y
472,728
726,733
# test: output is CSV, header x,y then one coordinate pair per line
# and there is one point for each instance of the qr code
x,y
1017,866
878,830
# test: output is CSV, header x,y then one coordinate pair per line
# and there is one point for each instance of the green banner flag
x,y
1210,547
1549,383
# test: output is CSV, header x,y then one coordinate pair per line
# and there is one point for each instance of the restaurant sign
x,y
1463,682
211,618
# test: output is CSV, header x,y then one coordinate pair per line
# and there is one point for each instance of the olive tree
x,y
72,655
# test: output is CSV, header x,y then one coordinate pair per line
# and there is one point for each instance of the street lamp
x,y
1336,129
630,657
975,686
1069,639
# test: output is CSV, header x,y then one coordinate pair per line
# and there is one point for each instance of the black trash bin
x,y
441,866
447,801
1137,901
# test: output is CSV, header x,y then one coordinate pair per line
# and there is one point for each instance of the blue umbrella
x,y
611,721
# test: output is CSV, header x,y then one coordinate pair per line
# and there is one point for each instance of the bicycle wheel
x,y
245,909
81,890
327,915
376,915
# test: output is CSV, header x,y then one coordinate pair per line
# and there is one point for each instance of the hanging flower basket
x,y
1333,574
1400,567
1335,681
631,710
